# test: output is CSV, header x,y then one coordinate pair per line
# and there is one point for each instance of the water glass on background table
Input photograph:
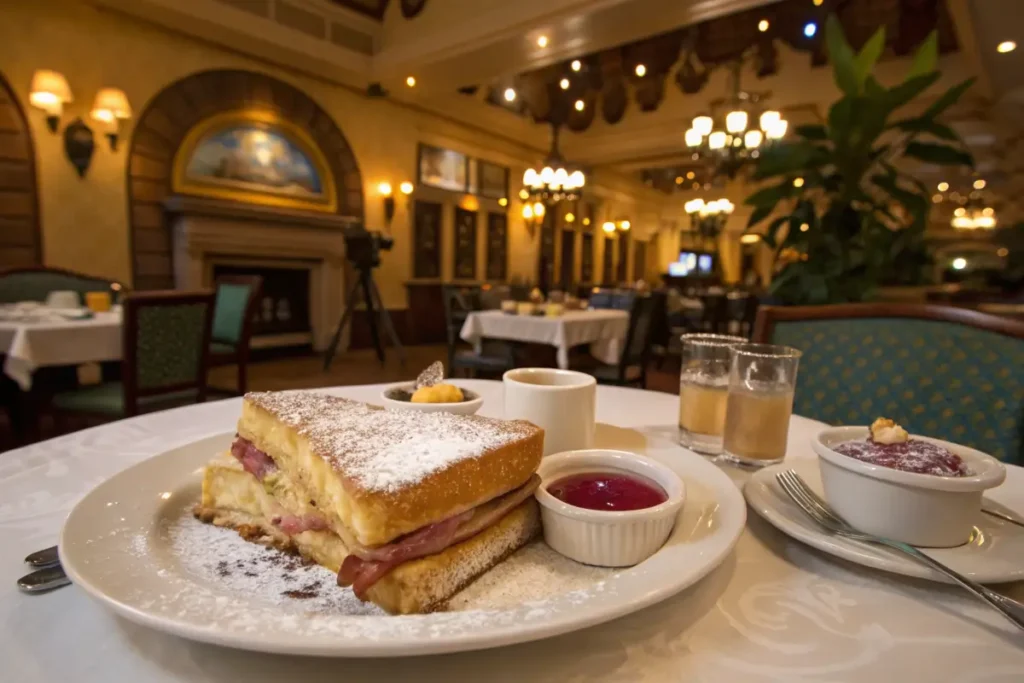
x,y
762,378
703,390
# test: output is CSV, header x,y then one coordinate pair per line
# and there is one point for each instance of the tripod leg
x,y
350,303
371,314
387,323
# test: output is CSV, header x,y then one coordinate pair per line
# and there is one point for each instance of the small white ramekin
x,y
920,509
467,407
600,537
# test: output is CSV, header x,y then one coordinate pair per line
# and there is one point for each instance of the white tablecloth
x,y
605,331
31,345
774,612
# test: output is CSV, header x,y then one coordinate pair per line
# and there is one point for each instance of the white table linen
x,y
775,611
31,345
605,330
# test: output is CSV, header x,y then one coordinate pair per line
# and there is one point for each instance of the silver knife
x,y
47,557
43,580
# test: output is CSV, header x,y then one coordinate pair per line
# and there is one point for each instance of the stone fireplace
x,y
211,237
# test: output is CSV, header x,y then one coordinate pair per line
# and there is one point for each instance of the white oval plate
x,y
993,555
114,546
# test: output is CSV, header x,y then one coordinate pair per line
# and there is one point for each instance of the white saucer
x,y
994,555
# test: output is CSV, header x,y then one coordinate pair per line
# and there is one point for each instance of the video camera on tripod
x,y
363,248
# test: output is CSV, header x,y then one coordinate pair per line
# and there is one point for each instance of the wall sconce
x,y
50,92
406,188
624,226
608,227
384,189
111,108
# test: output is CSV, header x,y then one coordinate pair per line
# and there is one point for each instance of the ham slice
x,y
254,461
362,572
296,524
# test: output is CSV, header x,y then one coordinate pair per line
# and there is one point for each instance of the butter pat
x,y
886,431
439,393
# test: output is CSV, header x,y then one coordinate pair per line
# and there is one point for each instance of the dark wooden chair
x,y
601,298
947,372
496,356
636,352
166,353
237,299
34,283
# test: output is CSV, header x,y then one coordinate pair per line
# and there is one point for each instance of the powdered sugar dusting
x,y
384,450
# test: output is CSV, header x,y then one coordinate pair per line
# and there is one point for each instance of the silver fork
x,y
818,510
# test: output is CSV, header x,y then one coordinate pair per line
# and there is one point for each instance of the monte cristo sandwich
x,y
408,507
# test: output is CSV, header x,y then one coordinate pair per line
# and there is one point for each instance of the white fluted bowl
x,y
600,537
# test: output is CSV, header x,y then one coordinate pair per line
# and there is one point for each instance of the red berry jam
x,y
608,491
914,455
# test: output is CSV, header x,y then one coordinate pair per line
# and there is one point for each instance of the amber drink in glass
x,y
703,390
762,378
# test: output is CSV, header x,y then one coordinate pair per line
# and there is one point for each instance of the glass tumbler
x,y
762,378
703,390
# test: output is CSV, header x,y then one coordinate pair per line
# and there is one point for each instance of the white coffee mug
x,y
561,402
63,298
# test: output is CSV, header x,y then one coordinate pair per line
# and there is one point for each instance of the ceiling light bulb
x,y
778,130
679,180
560,179
716,140
564,84
406,187
753,138
502,202
810,28
530,178
579,105
542,41
694,205
384,189
750,238
690,175
703,125
693,138
576,65
625,225
527,211
804,227
410,81
959,263
577,179
943,186
988,211
547,174
960,212
736,121
798,182
762,25
979,184
769,119
1006,46
608,227
570,218
510,94
986,222
586,221
539,210
640,70
524,193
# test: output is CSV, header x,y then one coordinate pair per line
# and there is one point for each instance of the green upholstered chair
x,y
237,298
165,355
951,373
35,283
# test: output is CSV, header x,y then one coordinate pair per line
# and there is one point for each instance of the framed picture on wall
x,y
443,168
492,180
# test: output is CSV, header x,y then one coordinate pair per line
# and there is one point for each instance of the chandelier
x,y
731,140
708,218
971,212
556,181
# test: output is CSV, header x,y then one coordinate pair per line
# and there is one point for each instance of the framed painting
x,y
255,158
492,180
445,169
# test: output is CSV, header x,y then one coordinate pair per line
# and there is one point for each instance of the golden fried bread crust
x,y
382,474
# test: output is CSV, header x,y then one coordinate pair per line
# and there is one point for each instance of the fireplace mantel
x,y
206,233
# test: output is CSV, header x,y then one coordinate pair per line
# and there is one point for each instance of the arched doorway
x,y
20,242
182,108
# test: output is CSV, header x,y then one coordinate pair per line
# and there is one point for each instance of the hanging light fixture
x,y
971,210
555,181
745,129
708,219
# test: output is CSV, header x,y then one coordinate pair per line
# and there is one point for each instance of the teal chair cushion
x,y
941,379
229,312
108,399
220,348
36,285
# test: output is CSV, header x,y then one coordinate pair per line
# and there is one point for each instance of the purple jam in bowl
x,y
914,455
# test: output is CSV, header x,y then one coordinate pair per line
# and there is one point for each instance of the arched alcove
x,y
20,241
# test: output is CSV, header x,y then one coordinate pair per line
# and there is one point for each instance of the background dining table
x,y
604,329
774,611
53,340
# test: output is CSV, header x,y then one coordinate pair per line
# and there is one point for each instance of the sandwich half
x,y
407,507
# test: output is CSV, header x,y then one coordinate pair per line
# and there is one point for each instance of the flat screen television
x,y
692,263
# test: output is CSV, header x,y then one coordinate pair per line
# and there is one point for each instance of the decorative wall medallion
x,y
254,157
79,145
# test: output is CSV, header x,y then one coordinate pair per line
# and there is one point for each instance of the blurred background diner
x,y
214,197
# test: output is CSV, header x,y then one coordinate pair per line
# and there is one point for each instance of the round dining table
x,y
775,610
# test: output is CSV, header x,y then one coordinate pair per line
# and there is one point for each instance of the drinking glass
x,y
762,378
703,389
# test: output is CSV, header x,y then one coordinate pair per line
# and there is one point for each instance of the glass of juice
x,y
703,389
762,378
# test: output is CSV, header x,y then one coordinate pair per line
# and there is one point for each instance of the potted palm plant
x,y
841,207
